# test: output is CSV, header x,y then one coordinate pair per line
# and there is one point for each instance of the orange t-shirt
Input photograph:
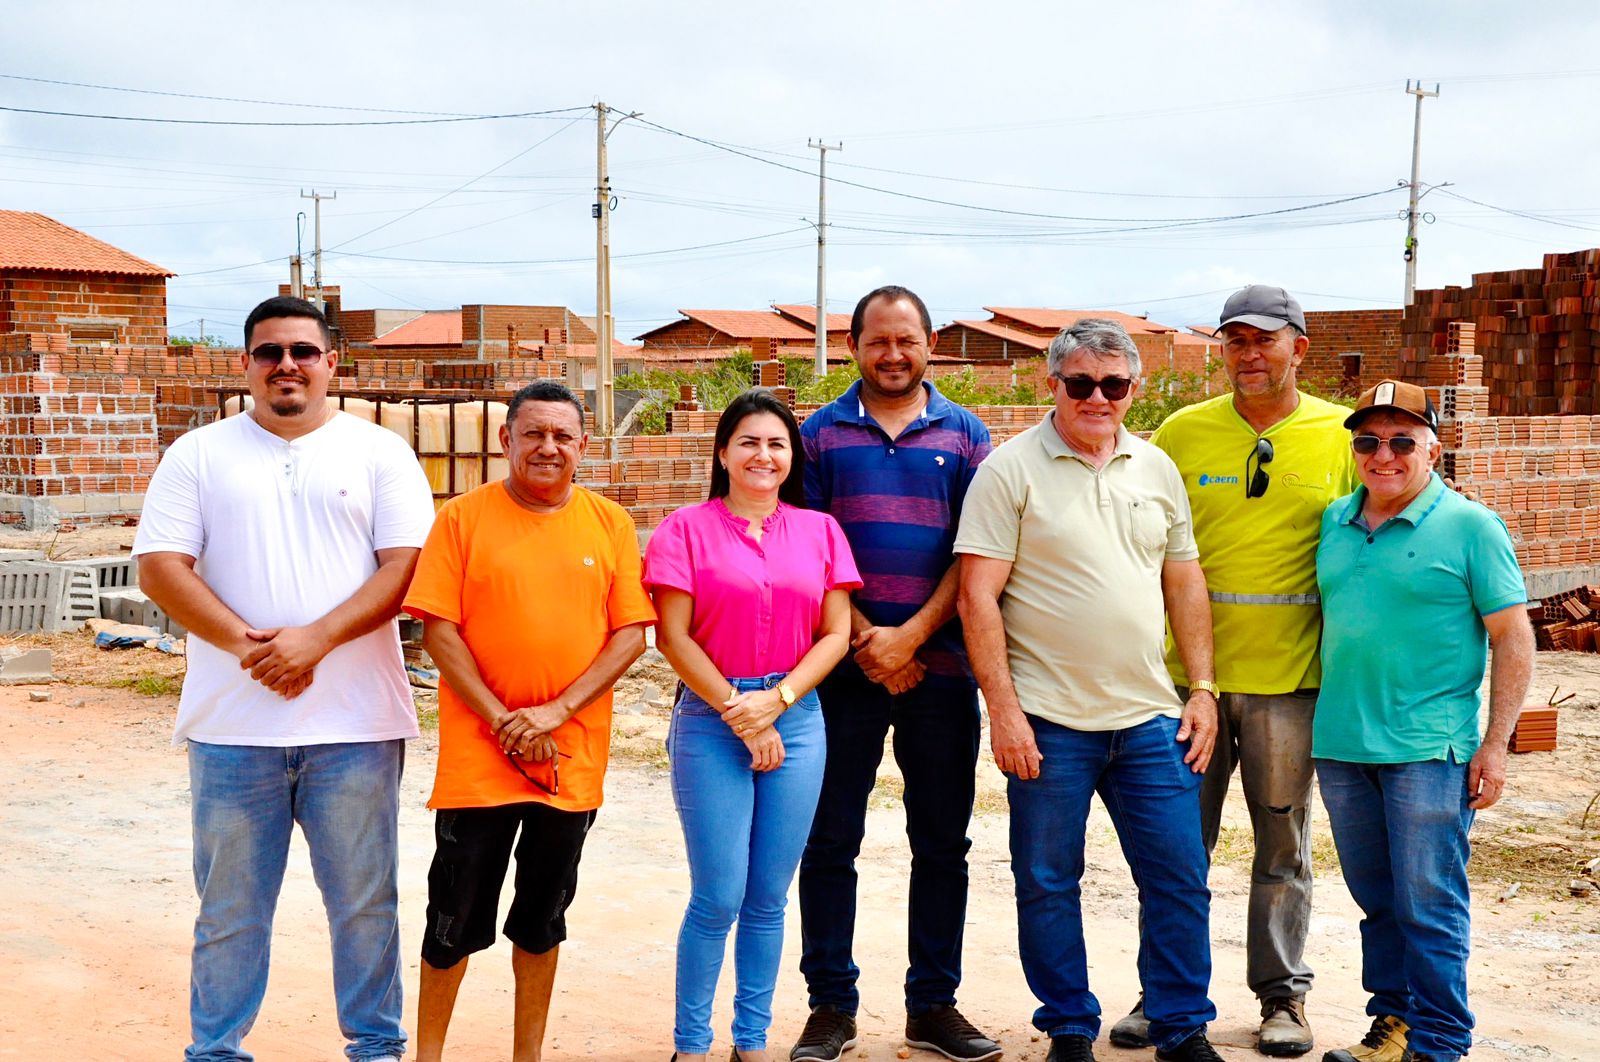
x,y
536,596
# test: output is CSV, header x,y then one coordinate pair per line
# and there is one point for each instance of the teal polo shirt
x,y
1403,641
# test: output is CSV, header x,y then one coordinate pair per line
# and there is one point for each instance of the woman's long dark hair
x,y
760,400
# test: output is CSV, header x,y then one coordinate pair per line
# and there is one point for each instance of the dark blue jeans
x,y
936,746
1154,802
1401,831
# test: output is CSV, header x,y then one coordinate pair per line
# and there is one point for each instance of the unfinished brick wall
x,y
1373,334
116,309
489,323
80,440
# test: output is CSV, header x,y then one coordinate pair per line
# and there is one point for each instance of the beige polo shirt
x,y
1084,615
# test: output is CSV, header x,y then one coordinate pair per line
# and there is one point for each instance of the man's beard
x,y
288,406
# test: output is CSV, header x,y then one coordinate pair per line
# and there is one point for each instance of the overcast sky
x,y
1075,151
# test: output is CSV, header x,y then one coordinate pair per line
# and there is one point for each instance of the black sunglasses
x,y
1400,445
1257,482
1115,388
268,355
554,788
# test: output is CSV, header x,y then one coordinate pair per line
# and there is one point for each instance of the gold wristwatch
x,y
1207,686
786,692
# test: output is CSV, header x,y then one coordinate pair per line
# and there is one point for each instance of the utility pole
x,y
822,251
1411,211
605,408
316,270
202,331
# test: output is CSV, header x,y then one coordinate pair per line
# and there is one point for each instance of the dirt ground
x,y
95,930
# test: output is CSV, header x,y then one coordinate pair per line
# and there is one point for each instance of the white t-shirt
x,y
283,532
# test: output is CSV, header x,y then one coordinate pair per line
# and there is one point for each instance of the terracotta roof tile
x,y
1010,335
1056,320
31,241
837,322
436,328
744,324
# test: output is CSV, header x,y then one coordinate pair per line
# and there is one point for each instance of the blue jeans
x,y
744,830
936,728
1154,801
1401,831
246,800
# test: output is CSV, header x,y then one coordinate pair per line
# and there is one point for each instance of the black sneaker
x,y
1070,1049
829,1033
1195,1049
944,1030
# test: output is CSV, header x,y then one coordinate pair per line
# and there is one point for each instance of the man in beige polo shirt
x,y
1076,546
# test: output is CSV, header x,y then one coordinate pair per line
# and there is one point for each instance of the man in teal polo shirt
x,y
1413,575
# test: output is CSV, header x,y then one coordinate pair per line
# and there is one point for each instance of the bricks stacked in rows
x,y
1374,334
1535,329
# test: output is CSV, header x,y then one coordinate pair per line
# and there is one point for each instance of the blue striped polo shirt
x,y
899,502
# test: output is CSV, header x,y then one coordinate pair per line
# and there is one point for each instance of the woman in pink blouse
x,y
752,591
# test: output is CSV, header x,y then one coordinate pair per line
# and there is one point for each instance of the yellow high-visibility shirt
x,y
1260,554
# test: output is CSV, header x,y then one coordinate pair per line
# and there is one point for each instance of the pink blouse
x,y
757,605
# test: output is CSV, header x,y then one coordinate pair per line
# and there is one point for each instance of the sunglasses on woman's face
x,y
1399,445
1078,388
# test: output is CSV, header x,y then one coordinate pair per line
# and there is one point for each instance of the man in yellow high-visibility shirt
x,y
1260,464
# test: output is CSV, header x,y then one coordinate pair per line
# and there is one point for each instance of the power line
x,y
568,261
294,125
536,144
1002,210
232,99
1528,215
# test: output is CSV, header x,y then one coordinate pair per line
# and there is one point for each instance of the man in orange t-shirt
x,y
532,605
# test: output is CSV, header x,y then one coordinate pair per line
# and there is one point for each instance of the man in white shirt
x,y
284,539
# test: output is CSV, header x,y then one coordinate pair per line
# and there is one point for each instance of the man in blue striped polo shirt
x,y
891,460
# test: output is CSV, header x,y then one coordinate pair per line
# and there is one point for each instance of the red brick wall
x,y
531,322
1374,334
957,341
38,302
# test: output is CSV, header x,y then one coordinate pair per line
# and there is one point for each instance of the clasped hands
x,y
527,732
750,715
887,656
283,659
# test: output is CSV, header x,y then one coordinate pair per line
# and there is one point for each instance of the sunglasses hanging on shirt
x,y
1257,481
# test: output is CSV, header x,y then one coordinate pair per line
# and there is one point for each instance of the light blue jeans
x,y
1401,831
744,831
246,800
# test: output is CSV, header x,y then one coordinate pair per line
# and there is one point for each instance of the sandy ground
x,y
99,902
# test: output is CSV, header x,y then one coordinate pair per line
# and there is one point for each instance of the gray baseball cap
x,y
1263,307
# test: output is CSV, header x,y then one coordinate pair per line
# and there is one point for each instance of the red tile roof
x,y
34,242
999,331
807,314
436,328
743,324
1056,320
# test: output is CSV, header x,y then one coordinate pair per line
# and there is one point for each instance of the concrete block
x,y
130,503
33,596
24,665
68,503
21,555
112,572
131,606
101,503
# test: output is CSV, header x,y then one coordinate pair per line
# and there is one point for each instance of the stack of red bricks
x,y
66,435
1536,330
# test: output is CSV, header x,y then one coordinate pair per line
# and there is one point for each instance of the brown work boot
x,y
1284,1030
1384,1042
